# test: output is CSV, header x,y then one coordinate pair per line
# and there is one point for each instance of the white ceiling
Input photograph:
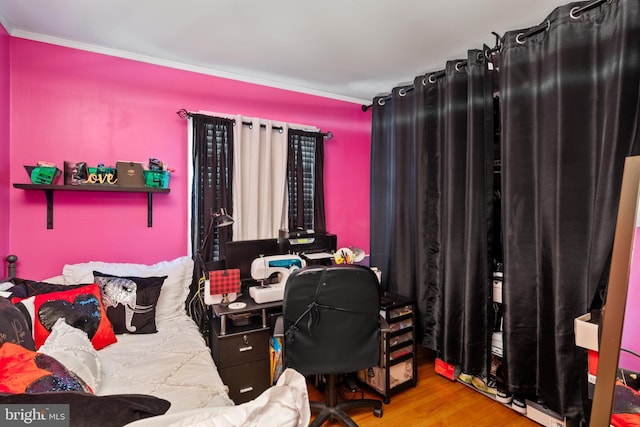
x,y
344,49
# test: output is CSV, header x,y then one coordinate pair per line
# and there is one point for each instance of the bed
x,y
158,372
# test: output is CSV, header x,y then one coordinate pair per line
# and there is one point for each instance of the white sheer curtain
x,y
259,178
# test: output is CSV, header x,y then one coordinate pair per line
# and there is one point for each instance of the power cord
x,y
197,309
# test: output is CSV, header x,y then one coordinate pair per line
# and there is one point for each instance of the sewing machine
x,y
276,267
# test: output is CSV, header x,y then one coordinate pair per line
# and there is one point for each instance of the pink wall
x,y
68,104
4,147
630,336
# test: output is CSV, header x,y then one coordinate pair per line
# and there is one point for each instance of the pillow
x,y
71,347
80,307
175,289
88,410
23,288
25,371
14,327
130,302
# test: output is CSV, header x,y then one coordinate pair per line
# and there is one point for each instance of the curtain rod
x,y
429,77
183,114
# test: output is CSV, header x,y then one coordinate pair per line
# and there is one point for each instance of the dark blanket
x,y
89,410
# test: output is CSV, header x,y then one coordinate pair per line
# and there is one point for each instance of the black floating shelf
x,y
49,190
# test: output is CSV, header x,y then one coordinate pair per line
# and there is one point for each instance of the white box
x,y
398,374
543,415
586,332
497,290
496,344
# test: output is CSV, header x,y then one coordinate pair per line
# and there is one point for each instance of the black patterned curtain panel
x,y
212,146
305,180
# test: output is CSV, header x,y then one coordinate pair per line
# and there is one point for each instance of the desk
x,y
241,352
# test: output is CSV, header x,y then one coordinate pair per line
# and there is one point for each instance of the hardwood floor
x,y
435,401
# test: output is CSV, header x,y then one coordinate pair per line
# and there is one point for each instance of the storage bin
x,y
403,324
401,338
401,311
157,179
43,174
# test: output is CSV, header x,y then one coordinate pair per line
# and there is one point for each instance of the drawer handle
x,y
247,348
246,389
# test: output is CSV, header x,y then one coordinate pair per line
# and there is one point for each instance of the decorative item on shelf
x,y
43,173
102,174
156,178
156,165
75,173
158,174
130,174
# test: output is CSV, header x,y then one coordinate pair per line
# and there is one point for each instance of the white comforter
x,y
284,405
174,364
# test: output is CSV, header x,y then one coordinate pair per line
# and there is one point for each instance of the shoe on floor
x,y
503,395
465,378
518,404
484,385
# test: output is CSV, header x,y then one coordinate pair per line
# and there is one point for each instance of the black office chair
x,y
332,326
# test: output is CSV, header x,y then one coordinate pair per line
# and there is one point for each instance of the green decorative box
x,y
157,179
43,174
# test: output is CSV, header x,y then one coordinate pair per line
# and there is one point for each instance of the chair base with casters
x,y
331,409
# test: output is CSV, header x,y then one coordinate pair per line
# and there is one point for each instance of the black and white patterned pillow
x,y
130,302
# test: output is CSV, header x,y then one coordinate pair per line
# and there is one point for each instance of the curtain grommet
x,y
402,92
432,78
381,101
424,81
575,13
458,66
520,38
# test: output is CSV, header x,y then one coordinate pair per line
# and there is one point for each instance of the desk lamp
x,y
197,306
218,219
221,218
221,286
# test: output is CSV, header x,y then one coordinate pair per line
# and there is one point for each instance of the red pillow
x,y
80,307
25,371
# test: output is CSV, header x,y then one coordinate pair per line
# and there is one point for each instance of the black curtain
x,y
305,179
212,147
431,205
569,110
